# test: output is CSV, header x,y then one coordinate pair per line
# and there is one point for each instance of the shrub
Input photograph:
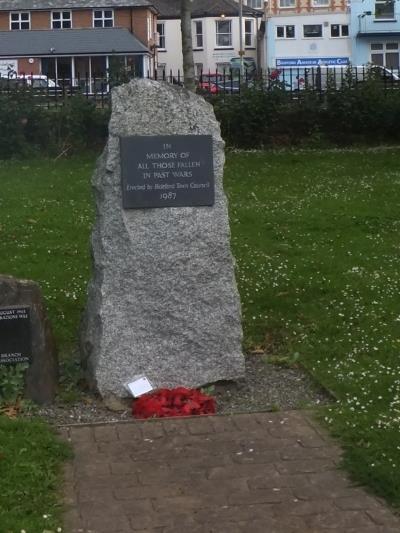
x,y
364,113
26,127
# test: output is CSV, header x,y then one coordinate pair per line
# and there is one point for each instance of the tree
x,y
187,49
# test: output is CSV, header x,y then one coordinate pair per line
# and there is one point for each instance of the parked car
x,y
323,77
37,82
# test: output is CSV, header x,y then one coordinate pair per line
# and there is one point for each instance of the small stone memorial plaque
x,y
15,335
167,171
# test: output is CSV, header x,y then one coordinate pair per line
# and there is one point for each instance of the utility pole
x,y
241,51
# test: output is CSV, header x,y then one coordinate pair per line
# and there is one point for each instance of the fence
x,y
292,81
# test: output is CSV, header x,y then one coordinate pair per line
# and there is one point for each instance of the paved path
x,y
265,472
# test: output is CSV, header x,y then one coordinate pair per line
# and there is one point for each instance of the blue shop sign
x,y
311,61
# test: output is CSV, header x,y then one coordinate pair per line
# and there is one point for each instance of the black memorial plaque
x,y
167,171
15,335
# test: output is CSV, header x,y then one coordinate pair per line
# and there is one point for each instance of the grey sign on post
x,y
167,171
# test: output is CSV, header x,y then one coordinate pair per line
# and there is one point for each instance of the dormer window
x,y
20,20
103,18
61,20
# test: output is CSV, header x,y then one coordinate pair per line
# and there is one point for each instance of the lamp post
x,y
241,51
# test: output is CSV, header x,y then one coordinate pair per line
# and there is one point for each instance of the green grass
x,y
45,218
30,462
316,238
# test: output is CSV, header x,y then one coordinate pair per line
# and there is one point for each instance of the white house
x,y
301,33
215,33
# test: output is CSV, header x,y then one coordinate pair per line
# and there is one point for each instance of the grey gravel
x,y
265,387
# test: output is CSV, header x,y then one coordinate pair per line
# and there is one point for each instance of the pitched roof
x,y
171,9
27,5
69,42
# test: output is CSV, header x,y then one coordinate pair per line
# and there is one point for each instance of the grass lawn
x,y
30,461
316,238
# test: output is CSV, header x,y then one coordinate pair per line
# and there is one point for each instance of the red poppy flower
x,y
173,402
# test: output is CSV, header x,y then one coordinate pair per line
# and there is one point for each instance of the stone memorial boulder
x,y
26,337
163,300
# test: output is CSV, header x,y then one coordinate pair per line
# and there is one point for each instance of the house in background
x,y
375,32
76,39
215,33
307,33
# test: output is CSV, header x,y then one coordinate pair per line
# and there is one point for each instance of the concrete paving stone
x,y
175,426
154,520
201,426
139,492
306,466
241,471
191,502
202,462
81,434
107,433
334,478
255,456
152,429
383,516
346,495
94,494
224,424
129,431
273,495
344,519
278,480
295,507
91,469
102,523
156,477
133,467
355,499
246,422
299,452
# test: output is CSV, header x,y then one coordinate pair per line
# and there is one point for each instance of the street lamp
x,y
241,51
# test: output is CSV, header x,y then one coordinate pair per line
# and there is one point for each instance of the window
x,y
339,30
223,32
248,33
161,33
198,34
287,3
385,55
20,21
285,32
255,4
103,18
61,19
384,9
312,30
320,3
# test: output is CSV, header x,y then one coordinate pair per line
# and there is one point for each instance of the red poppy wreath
x,y
173,402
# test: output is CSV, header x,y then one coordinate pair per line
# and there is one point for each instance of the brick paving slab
x,y
263,472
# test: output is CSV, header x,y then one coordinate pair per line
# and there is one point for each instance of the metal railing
x,y
293,82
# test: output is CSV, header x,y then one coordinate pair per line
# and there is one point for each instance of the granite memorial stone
x,y
163,300
26,337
